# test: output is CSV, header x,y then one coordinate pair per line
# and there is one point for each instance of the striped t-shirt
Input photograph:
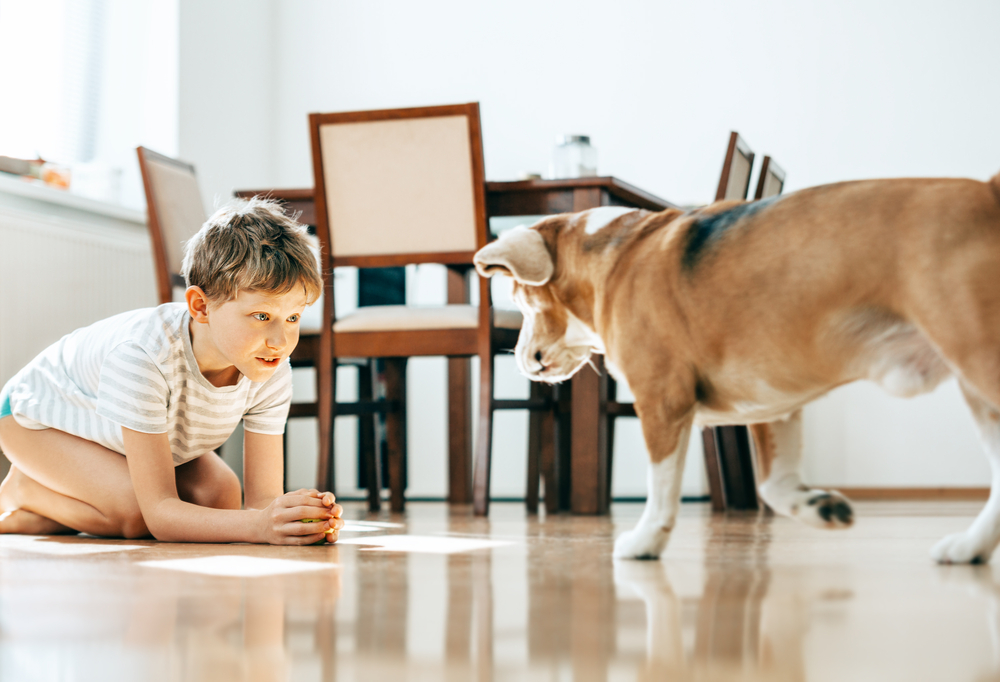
x,y
138,370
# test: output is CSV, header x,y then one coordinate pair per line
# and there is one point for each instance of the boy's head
x,y
251,245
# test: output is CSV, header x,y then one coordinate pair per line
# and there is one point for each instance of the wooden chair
x,y
175,213
397,187
729,461
734,183
771,181
727,448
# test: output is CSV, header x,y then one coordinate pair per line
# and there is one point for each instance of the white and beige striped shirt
x,y
138,370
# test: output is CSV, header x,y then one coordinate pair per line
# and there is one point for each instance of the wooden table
x,y
590,432
592,393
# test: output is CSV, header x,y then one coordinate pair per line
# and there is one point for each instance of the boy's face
x,y
254,333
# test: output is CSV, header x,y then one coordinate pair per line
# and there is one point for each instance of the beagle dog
x,y
741,313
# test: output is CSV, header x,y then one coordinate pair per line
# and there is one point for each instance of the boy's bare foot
x,y
23,522
13,519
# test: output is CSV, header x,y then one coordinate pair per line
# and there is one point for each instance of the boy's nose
x,y
276,340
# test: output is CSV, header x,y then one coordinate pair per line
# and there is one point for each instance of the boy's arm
x,y
263,469
263,475
171,519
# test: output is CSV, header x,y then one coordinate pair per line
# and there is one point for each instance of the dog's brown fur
x,y
892,280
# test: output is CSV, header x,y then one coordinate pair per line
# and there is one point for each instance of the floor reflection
x,y
122,621
740,626
746,597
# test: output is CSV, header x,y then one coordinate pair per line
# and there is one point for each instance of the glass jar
x,y
573,157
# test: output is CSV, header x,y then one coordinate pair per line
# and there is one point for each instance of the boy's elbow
x,y
164,532
159,524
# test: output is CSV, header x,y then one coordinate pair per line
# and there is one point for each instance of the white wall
x,y
227,87
839,91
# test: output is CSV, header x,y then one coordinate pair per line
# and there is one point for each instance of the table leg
x,y
589,432
589,441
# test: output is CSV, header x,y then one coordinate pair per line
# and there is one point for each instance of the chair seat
x,y
312,318
403,317
505,318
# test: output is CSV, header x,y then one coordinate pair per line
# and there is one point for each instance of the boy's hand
x,y
281,522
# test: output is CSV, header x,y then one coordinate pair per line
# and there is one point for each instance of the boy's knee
x,y
134,528
230,491
129,523
220,490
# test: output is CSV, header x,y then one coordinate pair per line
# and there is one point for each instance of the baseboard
x,y
424,498
860,494
913,493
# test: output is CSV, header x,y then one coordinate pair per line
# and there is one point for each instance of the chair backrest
x,y
771,181
735,179
175,211
399,186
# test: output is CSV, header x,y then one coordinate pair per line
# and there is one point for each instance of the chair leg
x,y
366,439
561,466
535,445
326,409
736,465
712,470
284,455
484,440
610,396
395,424
459,430
547,451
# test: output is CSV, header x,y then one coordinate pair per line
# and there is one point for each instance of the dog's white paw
x,y
962,548
823,509
642,542
812,506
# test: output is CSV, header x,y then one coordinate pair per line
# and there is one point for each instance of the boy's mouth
x,y
269,362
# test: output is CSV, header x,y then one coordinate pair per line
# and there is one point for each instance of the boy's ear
x,y
197,303
520,253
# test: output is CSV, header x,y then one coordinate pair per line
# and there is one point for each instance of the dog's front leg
x,y
667,442
779,461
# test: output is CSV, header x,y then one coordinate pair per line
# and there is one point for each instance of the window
x,y
93,79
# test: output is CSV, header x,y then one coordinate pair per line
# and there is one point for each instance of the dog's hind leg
x,y
976,544
667,444
779,458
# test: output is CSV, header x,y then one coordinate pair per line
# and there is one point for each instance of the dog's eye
x,y
538,356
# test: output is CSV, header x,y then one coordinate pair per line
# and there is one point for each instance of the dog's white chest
x,y
759,403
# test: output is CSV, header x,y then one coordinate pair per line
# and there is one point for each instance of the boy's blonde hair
x,y
251,245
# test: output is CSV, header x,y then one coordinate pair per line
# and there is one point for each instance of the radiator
x,y
58,273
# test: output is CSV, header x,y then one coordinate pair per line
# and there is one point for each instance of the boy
x,y
165,387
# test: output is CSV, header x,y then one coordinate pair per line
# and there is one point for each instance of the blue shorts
x,y
4,402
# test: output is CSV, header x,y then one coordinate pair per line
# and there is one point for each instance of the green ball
x,y
328,531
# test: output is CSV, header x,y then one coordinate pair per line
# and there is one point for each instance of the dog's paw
x,y
822,509
641,543
962,548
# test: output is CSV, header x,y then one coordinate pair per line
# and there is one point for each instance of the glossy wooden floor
x,y
448,596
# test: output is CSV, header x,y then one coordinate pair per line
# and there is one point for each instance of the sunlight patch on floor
x,y
423,543
44,544
238,566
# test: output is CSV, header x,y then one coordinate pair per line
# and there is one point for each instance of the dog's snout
x,y
539,364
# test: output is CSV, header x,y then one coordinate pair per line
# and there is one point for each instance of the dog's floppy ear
x,y
520,253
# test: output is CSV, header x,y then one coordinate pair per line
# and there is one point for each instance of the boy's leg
x,y
72,481
207,481
15,519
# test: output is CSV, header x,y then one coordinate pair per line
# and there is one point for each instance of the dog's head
x,y
554,343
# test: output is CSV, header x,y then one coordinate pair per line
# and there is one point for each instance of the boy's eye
x,y
260,316
294,318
